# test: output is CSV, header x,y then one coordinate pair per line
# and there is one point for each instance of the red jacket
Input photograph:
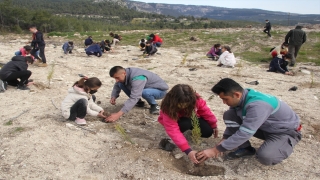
x,y
172,128
156,39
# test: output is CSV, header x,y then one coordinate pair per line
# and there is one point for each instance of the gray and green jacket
x,y
296,37
259,111
136,81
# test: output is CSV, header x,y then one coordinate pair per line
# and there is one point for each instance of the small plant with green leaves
x,y
312,80
184,59
123,133
240,67
50,74
196,131
8,123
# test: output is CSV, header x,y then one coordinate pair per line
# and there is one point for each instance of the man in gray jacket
x,y
136,83
253,113
295,38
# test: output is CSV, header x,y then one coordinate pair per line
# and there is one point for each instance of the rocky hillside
x,y
221,13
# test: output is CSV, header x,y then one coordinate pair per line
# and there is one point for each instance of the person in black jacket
x,y
267,28
150,49
280,64
16,69
38,44
295,38
105,45
88,41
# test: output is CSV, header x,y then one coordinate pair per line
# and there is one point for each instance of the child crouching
x,y
80,101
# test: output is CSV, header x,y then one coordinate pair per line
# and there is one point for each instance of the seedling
x,y
184,59
196,131
50,75
123,133
312,80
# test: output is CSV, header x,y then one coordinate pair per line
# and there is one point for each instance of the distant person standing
x,y
267,28
295,38
38,44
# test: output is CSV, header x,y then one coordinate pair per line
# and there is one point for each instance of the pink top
x,y
172,128
24,53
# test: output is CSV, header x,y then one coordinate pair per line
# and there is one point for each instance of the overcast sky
x,y
292,6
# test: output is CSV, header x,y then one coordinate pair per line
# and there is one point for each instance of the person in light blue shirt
x,y
68,47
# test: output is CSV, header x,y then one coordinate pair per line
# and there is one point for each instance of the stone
x,y
179,156
68,125
305,71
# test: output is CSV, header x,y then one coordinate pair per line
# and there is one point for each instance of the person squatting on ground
x,y
80,101
105,45
155,40
295,38
24,51
214,52
116,38
253,113
38,44
150,50
67,47
88,41
280,64
136,83
142,44
16,69
177,108
94,49
279,51
227,58
267,28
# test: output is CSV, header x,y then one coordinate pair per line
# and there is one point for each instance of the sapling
x,y
123,132
184,59
196,131
50,75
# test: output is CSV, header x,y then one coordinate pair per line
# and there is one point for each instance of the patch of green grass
x,y
9,123
18,129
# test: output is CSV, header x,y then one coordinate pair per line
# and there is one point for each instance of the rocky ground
x,y
37,143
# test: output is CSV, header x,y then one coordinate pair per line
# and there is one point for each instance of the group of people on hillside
x,y
251,113
150,44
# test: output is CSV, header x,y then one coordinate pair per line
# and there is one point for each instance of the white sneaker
x,y
80,121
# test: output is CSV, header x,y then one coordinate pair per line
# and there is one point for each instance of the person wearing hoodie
x,y
214,52
24,51
295,38
38,44
254,114
94,49
149,49
267,28
280,64
179,109
155,40
88,41
226,59
67,47
16,69
80,101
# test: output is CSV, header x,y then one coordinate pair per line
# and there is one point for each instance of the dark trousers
x,y
294,51
267,31
12,79
43,57
275,148
185,124
78,110
93,53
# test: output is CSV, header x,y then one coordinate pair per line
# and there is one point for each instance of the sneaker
x,y
3,86
42,65
241,152
24,87
80,121
154,109
140,103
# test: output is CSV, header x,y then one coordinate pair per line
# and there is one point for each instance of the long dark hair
x,y
227,48
180,94
86,84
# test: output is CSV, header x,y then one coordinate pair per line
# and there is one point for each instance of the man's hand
x,y
208,153
113,101
192,157
115,116
289,73
215,132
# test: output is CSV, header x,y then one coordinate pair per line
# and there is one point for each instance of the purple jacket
x,y
214,52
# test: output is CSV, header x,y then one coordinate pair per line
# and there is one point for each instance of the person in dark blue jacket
x,y
88,41
94,49
68,47
280,64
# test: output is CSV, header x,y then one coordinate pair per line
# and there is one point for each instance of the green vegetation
x,y
123,133
9,123
196,131
50,74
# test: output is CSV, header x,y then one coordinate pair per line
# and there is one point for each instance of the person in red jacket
x,y
176,110
156,40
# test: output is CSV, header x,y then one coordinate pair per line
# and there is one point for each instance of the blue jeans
x,y
157,44
149,94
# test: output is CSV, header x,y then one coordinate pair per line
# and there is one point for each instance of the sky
x,y
292,6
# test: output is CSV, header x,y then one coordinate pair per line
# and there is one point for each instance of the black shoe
x,y
140,103
241,152
154,109
22,87
166,145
